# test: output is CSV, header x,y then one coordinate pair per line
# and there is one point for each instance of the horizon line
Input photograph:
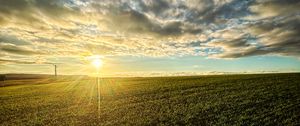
x,y
162,75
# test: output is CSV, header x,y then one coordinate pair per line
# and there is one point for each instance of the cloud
x,y
167,17
262,9
20,61
8,9
36,14
280,37
6,61
156,28
135,22
13,40
20,50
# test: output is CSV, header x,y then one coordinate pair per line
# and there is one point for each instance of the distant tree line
x,y
2,77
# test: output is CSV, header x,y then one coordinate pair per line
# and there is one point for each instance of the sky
x,y
149,37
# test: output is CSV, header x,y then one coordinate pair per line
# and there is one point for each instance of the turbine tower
x,y
55,70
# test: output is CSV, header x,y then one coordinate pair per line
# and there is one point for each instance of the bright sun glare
x,y
97,62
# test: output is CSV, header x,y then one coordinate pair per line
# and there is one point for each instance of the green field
x,y
265,99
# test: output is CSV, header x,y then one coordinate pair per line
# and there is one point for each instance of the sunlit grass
x,y
236,99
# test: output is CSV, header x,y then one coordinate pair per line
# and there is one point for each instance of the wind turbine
x,y
49,63
55,70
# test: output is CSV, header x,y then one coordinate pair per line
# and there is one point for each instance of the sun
x,y
97,62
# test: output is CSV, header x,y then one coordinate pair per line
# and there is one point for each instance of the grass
x,y
265,99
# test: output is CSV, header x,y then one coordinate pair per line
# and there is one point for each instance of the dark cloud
x,y
15,8
235,43
20,50
149,17
138,23
55,8
262,9
6,6
217,12
13,40
10,61
245,53
31,11
5,61
157,6
167,17
281,37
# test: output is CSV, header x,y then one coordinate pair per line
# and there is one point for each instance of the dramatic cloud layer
x,y
212,28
